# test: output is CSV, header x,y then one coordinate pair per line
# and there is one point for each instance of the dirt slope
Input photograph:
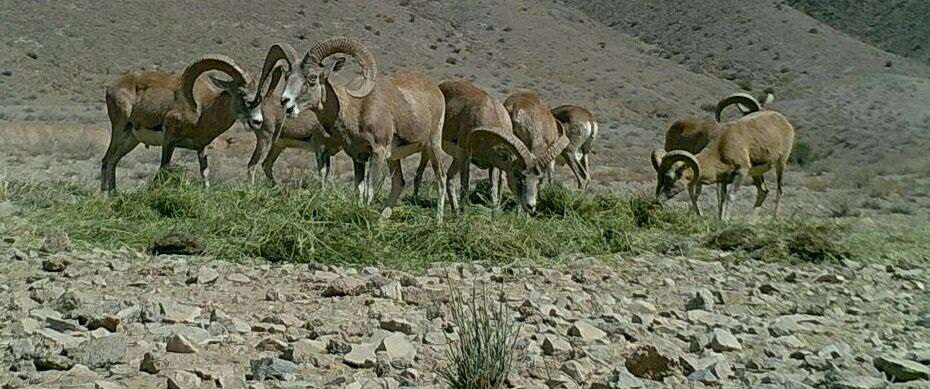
x,y
839,91
898,26
852,101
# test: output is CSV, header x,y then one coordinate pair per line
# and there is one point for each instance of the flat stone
x,y
710,319
102,353
304,350
702,299
555,345
272,368
399,325
55,265
586,331
62,325
205,275
183,380
397,346
180,345
723,340
178,313
271,344
107,385
66,341
860,382
195,335
650,362
239,278
793,324
345,286
901,370
362,356
621,378
53,362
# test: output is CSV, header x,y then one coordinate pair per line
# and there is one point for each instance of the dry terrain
x,y
86,303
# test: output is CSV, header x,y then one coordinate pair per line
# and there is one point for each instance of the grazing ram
x,y
170,110
468,108
379,120
581,128
747,147
527,153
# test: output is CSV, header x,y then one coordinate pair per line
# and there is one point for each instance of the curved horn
x,y
657,156
749,102
276,77
205,64
355,48
484,138
277,53
682,156
552,152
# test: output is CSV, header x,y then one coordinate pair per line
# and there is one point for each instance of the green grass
x,y
311,225
483,355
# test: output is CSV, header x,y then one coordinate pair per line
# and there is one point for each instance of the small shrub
x,y
736,237
844,207
803,154
483,356
816,243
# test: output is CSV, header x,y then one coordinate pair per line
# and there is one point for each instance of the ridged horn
x,y
682,156
276,75
747,101
484,138
205,64
354,48
552,152
656,157
276,53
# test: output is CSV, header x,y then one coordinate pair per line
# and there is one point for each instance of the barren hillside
x,y
653,66
898,26
849,99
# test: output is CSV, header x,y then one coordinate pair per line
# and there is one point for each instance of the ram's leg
x,y
119,147
435,153
465,179
779,176
204,166
377,172
575,165
721,198
418,178
397,185
550,170
453,179
322,161
256,156
762,192
736,183
358,168
694,192
494,176
268,163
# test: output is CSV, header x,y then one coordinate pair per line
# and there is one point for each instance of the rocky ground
x,y
129,320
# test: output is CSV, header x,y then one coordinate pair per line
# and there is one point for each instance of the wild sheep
x,y
169,110
749,146
693,135
581,128
379,120
468,108
285,125
527,153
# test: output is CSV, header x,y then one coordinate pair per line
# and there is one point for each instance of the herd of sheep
x,y
378,120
